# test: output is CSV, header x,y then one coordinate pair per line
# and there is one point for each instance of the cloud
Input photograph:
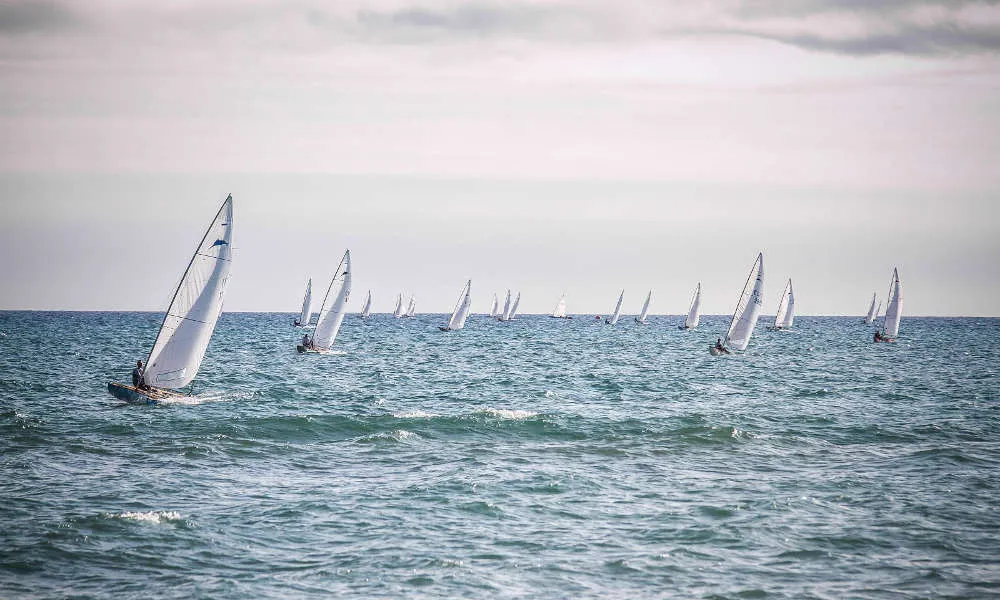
x,y
931,40
21,17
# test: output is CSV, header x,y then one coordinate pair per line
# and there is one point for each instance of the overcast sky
x,y
545,145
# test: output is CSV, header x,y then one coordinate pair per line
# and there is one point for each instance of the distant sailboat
x,y
189,322
641,319
560,310
411,309
694,313
786,309
303,318
366,310
398,312
893,311
618,310
331,313
494,307
513,308
872,312
505,315
747,310
461,312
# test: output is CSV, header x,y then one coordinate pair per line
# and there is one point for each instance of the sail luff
x,y
194,308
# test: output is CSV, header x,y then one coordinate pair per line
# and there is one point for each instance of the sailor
x,y
137,374
306,342
878,336
719,346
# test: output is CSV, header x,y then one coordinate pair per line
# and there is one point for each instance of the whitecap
x,y
415,414
509,414
155,517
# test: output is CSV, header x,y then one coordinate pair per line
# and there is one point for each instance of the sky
x,y
547,145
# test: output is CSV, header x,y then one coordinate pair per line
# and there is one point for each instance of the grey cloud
x,y
934,40
800,8
21,16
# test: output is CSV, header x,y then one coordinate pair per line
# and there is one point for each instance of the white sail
x,y
505,316
306,304
786,308
877,310
694,314
461,312
645,308
618,310
494,307
190,320
367,308
398,312
411,309
513,309
560,310
871,311
893,310
748,308
331,315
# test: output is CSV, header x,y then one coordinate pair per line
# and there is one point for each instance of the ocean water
x,y
537,458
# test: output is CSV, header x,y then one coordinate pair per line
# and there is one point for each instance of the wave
x,y
155,517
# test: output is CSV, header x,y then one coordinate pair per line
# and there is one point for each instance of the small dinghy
x,y
398,312
366,310
505,315
694,313
786,310
893,311
747,310
303,319
872,311
494,307
618,310
411,308
641,319
513,308
189,322
560,310
331,313
461,312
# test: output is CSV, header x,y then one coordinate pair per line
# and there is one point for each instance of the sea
x,y
540,458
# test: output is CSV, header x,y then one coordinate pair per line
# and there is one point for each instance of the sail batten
x,y
748,307
189,321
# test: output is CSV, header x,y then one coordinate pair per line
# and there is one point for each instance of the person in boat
x,y
878,336
719,346
137,374
307,341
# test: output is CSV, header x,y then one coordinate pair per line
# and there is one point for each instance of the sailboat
x,y
513,308
694,313
331,313
747,309
411,309
893,311
641,319
366,309
187,326
461,312
872,313
618,310
505,315
303,318
786,309
398,312
560,310
494,307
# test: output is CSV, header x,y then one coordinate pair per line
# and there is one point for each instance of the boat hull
x,y
716,352
133,395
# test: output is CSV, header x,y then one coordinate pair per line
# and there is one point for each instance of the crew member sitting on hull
x,y
719,346
307,341
878,336
137,373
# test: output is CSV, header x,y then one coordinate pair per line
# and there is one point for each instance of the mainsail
x,y
398,312
748,307
306,305
513,309
560,311
493,307
190,319
871,311
893,310
412,308
694,314
618,310
367,308
786,308
331,315
505,316
645,308
461,312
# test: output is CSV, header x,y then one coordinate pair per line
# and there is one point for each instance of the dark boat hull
x,y
133,395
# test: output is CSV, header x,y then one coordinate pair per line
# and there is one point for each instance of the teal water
x,y
537,458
